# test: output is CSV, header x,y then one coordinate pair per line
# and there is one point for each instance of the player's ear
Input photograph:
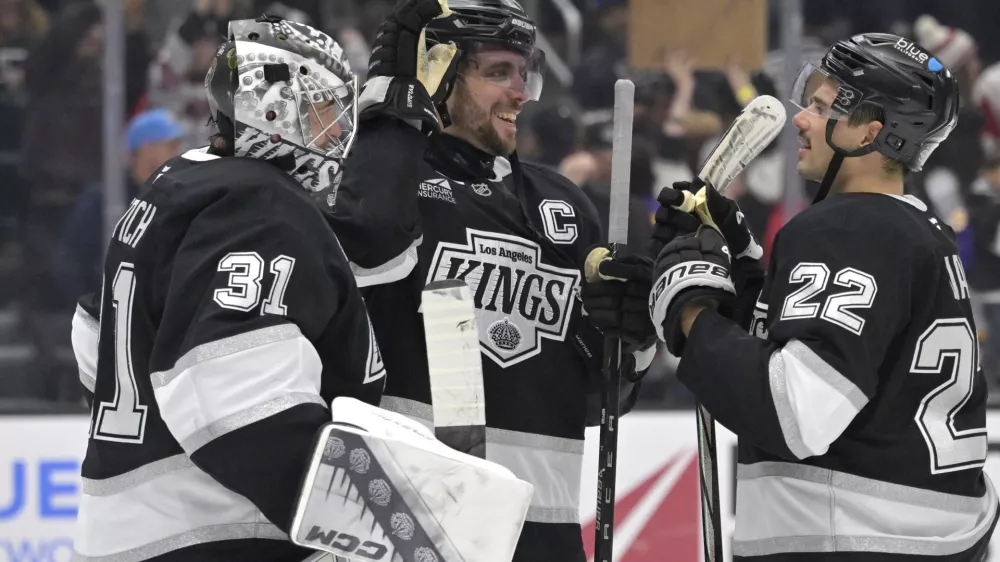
x,y
871,133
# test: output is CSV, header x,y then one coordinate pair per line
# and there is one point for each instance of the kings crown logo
x,y
519,300
505,335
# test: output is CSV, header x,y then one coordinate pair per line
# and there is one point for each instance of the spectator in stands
x,y
605,59
591,170
153,138
983,266
23,23
62,150
554,133
947,177
177,76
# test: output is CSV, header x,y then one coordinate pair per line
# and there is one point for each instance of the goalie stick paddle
x,y
621,161
750,133
455,366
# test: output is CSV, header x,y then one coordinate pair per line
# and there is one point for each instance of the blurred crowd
x,y
51,139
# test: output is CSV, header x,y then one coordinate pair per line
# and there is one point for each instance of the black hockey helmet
x,y
474,23
917,94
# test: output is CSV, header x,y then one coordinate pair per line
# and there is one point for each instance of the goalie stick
x,y
455,366
749,134
621,161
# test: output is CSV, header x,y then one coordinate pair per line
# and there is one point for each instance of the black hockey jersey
x,y
229,319
412,210
858,397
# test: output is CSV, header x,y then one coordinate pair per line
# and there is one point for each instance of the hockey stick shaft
x,y
621,163
749,134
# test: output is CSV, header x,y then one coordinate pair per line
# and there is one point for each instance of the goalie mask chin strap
x,y
838,158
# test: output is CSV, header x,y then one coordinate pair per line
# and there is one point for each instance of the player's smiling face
x,y
815,153
488,97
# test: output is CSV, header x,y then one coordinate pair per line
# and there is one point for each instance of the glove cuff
x,y
402,98
685,275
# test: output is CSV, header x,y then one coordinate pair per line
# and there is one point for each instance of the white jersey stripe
x,y
246,417
391,271
785,508
189,506
131,479
85,336
237,381
814,402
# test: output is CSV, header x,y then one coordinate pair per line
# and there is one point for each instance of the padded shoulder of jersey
x,y
881,222
196,180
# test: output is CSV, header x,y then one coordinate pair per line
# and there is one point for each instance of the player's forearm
x,y
376,216
727,370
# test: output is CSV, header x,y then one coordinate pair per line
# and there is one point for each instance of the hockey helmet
x,y
917,94
283,91
475,23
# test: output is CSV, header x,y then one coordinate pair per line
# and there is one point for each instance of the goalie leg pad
x,y
380,487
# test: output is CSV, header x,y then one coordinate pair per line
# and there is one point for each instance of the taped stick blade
x,y
455,366
621,161
750,133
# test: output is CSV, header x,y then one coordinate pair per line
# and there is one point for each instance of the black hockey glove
x,y
616,297
692,269
723,214
398,80
671,222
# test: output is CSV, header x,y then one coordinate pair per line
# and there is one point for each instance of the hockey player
x,y
229,321
422,202
857,396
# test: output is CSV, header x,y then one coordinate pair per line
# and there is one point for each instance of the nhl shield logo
x,y
519,300
481,189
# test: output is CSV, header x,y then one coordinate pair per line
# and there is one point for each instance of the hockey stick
x,y
621,161
455,366
750,133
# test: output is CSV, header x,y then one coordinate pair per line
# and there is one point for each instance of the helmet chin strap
x,y
838,158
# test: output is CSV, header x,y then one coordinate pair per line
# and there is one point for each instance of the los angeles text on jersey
x,y
519,300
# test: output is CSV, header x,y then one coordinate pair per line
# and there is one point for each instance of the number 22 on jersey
x,y
950,449
123,419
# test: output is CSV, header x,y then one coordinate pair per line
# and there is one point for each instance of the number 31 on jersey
x,y
123,419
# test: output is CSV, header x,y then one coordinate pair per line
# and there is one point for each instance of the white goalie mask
x,y
288,96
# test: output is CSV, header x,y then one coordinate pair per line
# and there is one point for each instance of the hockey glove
x,y
716,211
724,215
692,269
615,297
404,78
671,222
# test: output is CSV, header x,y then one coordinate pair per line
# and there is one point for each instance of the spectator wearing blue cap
x,y
153,137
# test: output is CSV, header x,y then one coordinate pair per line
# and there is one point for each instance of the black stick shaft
x,y
607,462
708,465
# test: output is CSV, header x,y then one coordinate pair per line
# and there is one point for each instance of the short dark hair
x,y
866,113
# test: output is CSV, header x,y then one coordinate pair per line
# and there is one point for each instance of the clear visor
x,y
822,94
327,115
510,70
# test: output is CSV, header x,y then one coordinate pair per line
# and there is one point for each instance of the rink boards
x,y
657,504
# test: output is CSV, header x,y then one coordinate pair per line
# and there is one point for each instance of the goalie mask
x,y
916,93
282,91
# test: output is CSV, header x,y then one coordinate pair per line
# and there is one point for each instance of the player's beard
x,y
468,115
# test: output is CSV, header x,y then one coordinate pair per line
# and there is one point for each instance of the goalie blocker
x,y
379,486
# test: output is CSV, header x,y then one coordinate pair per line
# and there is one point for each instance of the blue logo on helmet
x,y
934,65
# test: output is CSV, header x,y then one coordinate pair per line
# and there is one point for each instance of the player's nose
x,y
801,120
